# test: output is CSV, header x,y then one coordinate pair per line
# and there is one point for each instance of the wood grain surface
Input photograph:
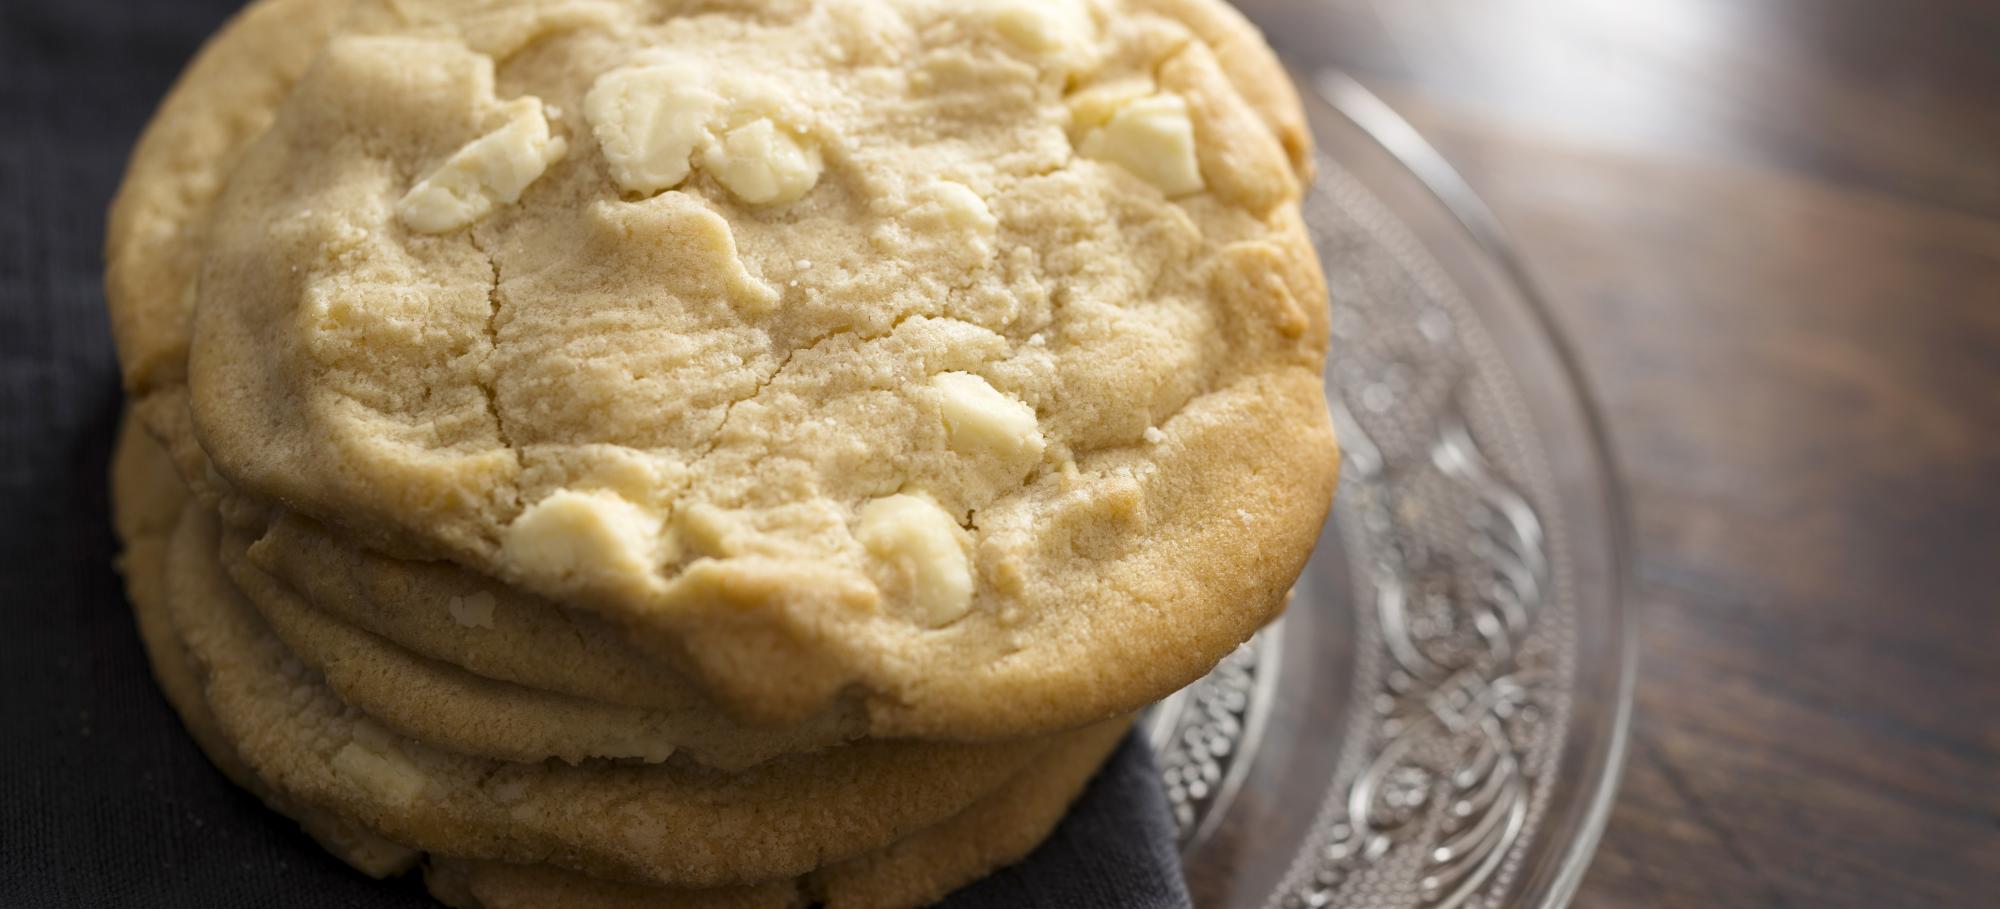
x,y
1773,229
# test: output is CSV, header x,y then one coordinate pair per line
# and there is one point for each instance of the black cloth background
x,y
104,801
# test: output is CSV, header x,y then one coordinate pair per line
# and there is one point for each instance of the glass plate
x,y
1439,719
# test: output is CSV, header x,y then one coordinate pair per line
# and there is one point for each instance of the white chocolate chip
x,y
952,205
475,611
925,550
595,538
1091,108
763,164
706,528
372,761
1039,26
650,120
490,170
1154,436
655,122
1153,138
978,418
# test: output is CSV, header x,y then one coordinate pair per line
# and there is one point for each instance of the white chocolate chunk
x,y
1154,139
594,538
1040,26
373,762
1091,108
954,206
490,170
763,164
475,611
656,122
978,418
706,528
925,549
650,120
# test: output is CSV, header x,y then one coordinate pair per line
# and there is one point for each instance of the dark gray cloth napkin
x,y
104,802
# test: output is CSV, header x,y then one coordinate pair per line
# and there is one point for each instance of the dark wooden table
x,y
1773,229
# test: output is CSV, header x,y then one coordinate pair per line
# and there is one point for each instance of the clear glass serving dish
x,y
1440,718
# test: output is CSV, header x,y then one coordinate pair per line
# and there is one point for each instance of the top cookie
x,y
964,354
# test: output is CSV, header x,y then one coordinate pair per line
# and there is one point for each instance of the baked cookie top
x,y
965,355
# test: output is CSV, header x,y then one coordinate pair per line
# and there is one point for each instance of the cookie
x,y
447,614
997,830
740,453
154,240
913,871
435,701
147,498
455,710
959,358
666,823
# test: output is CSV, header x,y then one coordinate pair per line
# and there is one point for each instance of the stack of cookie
x,y
636,452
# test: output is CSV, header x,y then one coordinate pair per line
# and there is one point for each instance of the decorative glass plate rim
x,y
1401,140
1210,734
